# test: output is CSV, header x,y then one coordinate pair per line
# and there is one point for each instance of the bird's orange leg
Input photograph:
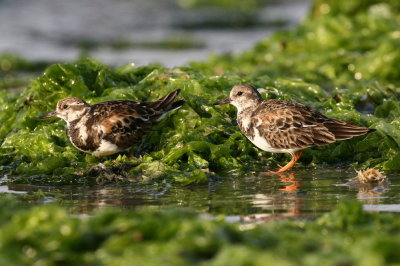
x,y
295,158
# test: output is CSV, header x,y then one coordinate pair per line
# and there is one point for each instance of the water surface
x,y
304,193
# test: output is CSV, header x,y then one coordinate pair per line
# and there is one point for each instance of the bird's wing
x,y
123,117
288,125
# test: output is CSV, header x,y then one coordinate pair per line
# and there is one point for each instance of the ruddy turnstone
x,y
285,127
113,126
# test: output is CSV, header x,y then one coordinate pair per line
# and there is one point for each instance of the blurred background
x,y
117,32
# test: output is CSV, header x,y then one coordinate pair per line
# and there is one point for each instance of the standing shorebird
x,y
114,126
285,127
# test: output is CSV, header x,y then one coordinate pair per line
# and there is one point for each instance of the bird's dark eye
x,y
239,93
65,106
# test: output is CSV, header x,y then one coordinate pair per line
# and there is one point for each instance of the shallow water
x,y
304,193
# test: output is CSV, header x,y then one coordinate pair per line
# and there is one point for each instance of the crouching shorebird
x,y
285,127
113,126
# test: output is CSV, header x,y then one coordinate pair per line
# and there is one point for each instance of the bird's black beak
x,y
223,101
49,115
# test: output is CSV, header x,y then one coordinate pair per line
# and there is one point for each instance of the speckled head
x,y
242,96
69,109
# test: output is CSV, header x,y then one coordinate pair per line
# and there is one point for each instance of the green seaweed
x,y
48,235
10,63
342,60
223,14
173,42
16,72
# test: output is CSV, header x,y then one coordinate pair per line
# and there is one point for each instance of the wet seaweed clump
x,y
339,54
370,176
104,174
187,146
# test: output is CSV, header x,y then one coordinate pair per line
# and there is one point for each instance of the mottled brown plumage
x,y
113,126
285,127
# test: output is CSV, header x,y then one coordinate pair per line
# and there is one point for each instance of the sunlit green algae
x,y
47,235
342,60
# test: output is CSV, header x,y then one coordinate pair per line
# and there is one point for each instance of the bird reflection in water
x,y
285,177
284,203
293,185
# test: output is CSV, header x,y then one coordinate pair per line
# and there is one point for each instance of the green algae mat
x,y
47,235
342,60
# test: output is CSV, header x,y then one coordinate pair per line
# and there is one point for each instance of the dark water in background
x,y
57,30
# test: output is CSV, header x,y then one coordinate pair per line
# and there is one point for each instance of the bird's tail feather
x,y
168,102
344,131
